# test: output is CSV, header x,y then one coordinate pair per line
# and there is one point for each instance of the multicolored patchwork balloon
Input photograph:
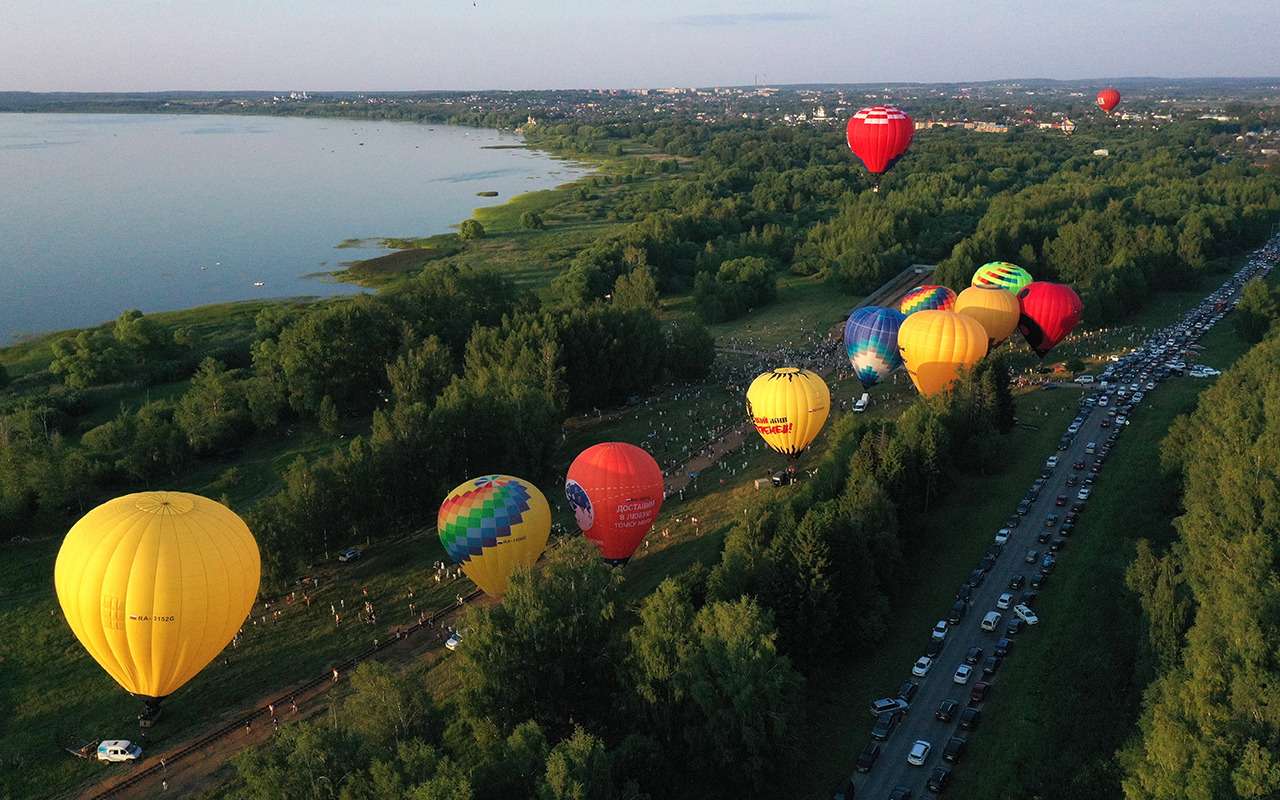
x,y
491,526
927,298
1002,275
871,341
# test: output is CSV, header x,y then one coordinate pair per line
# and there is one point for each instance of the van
x,y
118,750
862,403
991,620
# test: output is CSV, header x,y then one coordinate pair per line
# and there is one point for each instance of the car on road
x,y
884,704
954,749
1003,601
1073,481
1078,465
962,674
979,692
1013,522
946,710
1002,536
969,719
976,578
885,725
1044,536
1056,545
939,630
349,555
934,648
1106,423
454,641
1066,529
1014,627
991,620
1031,557
922,666
1050,520
973,656
1076,508
1016,582
1051,462
867,759
1060,500
1002,647
919,753
1026,614
1083,494
938,780
907,691
1024,507
900,792
957,612
1039,579
989,666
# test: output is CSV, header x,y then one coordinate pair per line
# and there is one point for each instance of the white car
x,y
991,620
453,641
1083,494
1002,536
1102,401
1084,379
119,750
1026,614
923,663
963,672
940,630
1051,462
1004,600
919,753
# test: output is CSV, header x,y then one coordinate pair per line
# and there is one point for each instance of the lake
x,y
104,212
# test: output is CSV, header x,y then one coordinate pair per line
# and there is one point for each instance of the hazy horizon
x,y
397,45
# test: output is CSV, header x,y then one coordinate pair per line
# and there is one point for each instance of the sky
x,y
157,45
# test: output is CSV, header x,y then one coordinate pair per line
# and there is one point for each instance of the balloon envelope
x,y
155,584
937,345
879,135
871,341
491,526
927,298
788,406
1108,99
1049,312
615,490
1002,275
996,310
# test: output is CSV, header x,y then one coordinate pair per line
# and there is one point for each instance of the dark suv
x,y
885,725
867,759
954,749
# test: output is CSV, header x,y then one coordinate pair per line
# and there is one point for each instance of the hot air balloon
x,y
927,298
1108,99
154,585
996,310
1002,275
491,525
871,341
879,135
1049,312
936,345
788,406
615,490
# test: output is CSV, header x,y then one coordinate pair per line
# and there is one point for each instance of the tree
x,y
136,332
577,769
1257,310
532,220
340,350
636,289
327,416
691,350
214,412
547,652
385,707
87,359
420,372
4,376
470,229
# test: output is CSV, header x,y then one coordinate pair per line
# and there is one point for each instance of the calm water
x,y
100,213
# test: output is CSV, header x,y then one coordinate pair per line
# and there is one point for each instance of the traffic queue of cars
x,y
1116,393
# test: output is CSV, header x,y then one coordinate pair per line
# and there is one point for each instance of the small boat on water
x,y
259,284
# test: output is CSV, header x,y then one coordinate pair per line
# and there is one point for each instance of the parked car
x,y
1014,627
900,792
954,749
1003,601
962,674
1031,557
1026,614
973,656
350,554
907,691
938,780
991,620
969,719
979,692
919,753
940,630
1002,647
989,666
922,666
886,723
1015,583
1002,535
117,750
867,759
884,704
934,648
946,710
454,640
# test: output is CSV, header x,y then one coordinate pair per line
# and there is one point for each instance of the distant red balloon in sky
x,y
1049,312
879,135
1108,99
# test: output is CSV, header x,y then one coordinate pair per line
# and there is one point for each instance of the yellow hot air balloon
x,y
936,345
995,309
491,526
155,584
788,406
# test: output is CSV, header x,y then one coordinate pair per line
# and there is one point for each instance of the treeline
x,y
1211,604
698,691
1154,215
452,373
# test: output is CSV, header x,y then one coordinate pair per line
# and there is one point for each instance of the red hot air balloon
x,y
615,490
1108,99
1049,312
879,135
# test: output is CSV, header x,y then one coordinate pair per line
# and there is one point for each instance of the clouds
x,y
758,18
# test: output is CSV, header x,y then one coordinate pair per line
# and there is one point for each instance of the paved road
x,y
892,768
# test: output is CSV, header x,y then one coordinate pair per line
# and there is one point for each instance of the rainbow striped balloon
x,y
927,298
1002,275
491,526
